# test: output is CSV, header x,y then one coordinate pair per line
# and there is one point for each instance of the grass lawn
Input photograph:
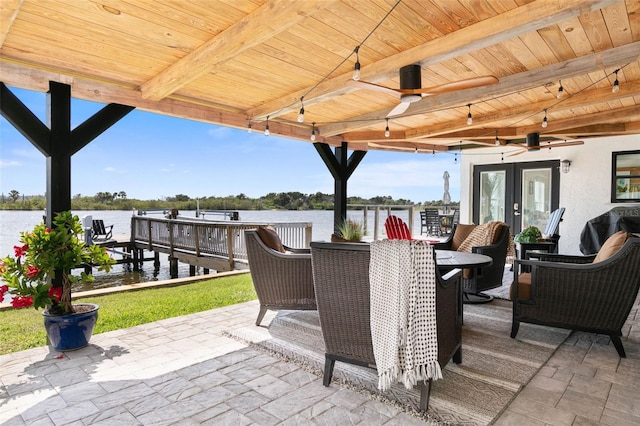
x,y
22,329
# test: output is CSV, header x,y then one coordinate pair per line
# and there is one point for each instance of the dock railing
x,y
215,245
376,212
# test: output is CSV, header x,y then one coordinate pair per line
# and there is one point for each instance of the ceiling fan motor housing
x,y
533,140
410,78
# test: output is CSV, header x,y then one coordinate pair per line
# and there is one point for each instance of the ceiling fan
x,y
411,89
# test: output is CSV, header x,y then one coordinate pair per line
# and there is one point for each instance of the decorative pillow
x,y
270,238
462,232
612,245
524,287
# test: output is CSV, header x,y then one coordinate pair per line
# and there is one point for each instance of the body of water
x,y
14,222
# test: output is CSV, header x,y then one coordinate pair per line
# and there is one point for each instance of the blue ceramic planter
x,y
70,332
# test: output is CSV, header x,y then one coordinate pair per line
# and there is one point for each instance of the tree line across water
x,y
272,201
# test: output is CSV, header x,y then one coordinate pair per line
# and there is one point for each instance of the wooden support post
x,y
156,259
173,267
136,255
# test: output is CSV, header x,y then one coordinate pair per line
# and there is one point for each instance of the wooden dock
x,y
211,245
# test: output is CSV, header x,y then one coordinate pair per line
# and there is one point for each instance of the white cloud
x,y
11,163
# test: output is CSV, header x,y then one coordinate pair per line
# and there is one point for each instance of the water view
x,y
14,222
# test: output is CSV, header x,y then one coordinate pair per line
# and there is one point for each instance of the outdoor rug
x,y
494,367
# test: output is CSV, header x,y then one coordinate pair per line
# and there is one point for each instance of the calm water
x,y
14,222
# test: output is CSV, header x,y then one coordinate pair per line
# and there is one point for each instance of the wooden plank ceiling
x,y
237,62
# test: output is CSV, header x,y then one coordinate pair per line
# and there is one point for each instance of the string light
x,y
386,131
469,118
544,120
249,129
560,93
433,153
356,67
497,139
616,84
266,128
455,158
301,113
313,131
502,157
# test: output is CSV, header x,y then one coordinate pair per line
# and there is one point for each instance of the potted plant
x,y
530,235
349,231
40,274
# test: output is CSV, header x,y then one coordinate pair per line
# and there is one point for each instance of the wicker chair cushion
x,y
270,238
612,245
524,287
462,232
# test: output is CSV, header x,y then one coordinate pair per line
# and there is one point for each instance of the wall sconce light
x,y
564,166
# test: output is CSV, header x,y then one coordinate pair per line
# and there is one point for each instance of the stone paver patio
x,y
185,371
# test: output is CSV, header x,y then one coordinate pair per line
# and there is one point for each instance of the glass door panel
x,y
536,197
492,196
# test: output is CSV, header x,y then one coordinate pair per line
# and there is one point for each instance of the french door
x,y
519,194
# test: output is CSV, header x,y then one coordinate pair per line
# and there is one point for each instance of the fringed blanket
x,y
402,275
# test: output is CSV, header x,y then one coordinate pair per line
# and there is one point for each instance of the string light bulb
x,y
356,67
616,84
301,113
266,128
497,139
249,128
469,118
545,123
313,131
455,158
560,93
386,130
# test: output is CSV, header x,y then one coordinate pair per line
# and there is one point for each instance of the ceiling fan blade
x,y
399,109
469,83
556,145
517,153
372,86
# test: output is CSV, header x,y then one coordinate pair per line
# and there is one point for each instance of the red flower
x,y
21,251
55,293
32,271
3,290
47,230
22,301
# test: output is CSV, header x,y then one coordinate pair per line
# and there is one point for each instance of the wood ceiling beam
x,y
617,56
17,75
557,126
269,20
530,17
8,13
581,99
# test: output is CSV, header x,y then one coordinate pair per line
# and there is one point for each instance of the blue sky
x,y
151,156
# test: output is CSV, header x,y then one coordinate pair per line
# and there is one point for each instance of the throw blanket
x,y
402,276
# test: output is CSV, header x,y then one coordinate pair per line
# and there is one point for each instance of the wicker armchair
x,y
341,279
281,280
478,280
592,297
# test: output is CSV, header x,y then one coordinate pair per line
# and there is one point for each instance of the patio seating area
x,y
185,370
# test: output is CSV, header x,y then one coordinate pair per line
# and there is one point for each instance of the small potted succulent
x,y
40,274
348,231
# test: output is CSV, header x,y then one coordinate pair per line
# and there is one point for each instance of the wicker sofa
x,y
341,279
578,293
281,280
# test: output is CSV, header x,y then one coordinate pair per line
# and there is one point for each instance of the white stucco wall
x,y
584,191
